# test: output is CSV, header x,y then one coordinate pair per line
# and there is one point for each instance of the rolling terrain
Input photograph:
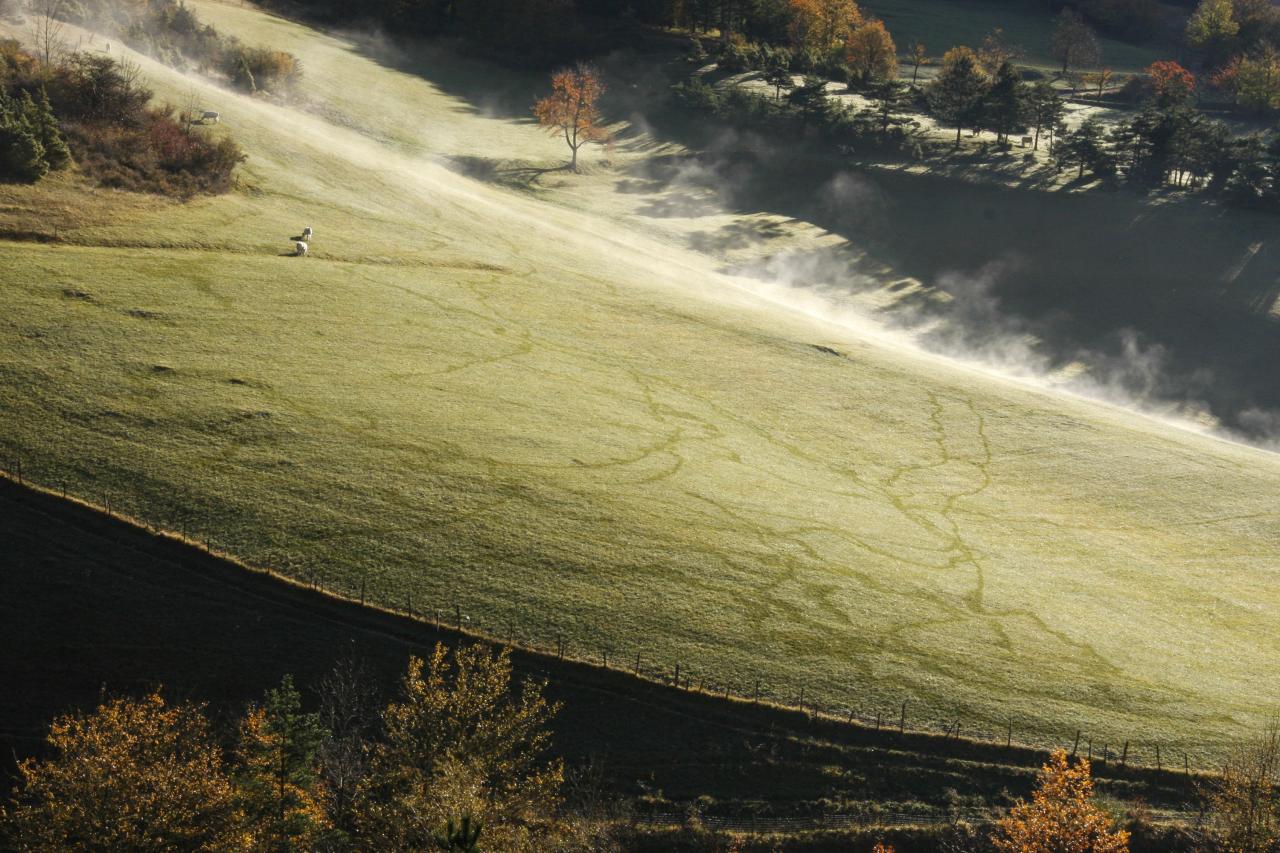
x,y
553,405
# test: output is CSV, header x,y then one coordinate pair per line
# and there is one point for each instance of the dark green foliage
x,y
1005,108
957,96
463,838
810,98
278,766
779,77
1085,149
892,99
30,143
56,152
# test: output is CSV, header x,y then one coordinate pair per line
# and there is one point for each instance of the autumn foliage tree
x,y
1061,816
570,110
133,775
462,742
871,53
1170,82
820,25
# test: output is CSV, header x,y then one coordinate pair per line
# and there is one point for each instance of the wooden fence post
x,y
755,695
637,663
1008,736
1158,766
1075,746
1124,756
1186,764
902,720
677,674
457,611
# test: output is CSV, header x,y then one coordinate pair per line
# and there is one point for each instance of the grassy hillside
x,y
539,406
149,611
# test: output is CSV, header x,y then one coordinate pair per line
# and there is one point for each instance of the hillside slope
x,y
542,407
96,605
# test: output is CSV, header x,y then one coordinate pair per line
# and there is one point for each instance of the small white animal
x,y
210,117
306,233
300,248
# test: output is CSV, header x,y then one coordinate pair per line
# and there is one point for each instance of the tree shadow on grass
x,y
1078,274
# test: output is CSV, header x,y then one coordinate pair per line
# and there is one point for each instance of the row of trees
x,y
455,763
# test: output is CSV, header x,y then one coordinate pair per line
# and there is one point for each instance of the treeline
x,y
170,32
89,110
455,762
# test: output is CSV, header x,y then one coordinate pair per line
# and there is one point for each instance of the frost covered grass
x,y
534,404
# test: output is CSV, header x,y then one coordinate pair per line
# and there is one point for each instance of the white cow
x,y
300,248
306,233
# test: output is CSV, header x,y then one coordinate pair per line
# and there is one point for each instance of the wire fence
x,y
802,823
1128,754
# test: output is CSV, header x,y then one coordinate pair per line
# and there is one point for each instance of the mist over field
x,y
807,423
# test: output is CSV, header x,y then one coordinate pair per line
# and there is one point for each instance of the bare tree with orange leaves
x,y
1061,815
571,109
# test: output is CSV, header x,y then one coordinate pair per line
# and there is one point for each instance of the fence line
x,y
677,675
771,823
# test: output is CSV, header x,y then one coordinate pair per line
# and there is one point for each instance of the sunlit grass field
x,y
535,406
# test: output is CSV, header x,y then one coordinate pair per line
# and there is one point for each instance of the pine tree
x,y
45,123
277,782
956,96
1006,102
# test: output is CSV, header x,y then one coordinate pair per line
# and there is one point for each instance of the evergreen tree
x,y
1086,148
1005,109
22,156
956,97
44,124
892,99
277,780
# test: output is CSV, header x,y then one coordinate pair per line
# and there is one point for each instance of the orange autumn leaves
x,y
571,108
821,26
1061,815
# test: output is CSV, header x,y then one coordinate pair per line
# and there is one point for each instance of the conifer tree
x,y
277,781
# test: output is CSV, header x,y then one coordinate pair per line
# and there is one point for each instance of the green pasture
x,y
535,405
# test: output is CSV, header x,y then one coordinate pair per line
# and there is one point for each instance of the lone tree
x,y
1061,815
571,110
1074,42
778,75
957,95
919,56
